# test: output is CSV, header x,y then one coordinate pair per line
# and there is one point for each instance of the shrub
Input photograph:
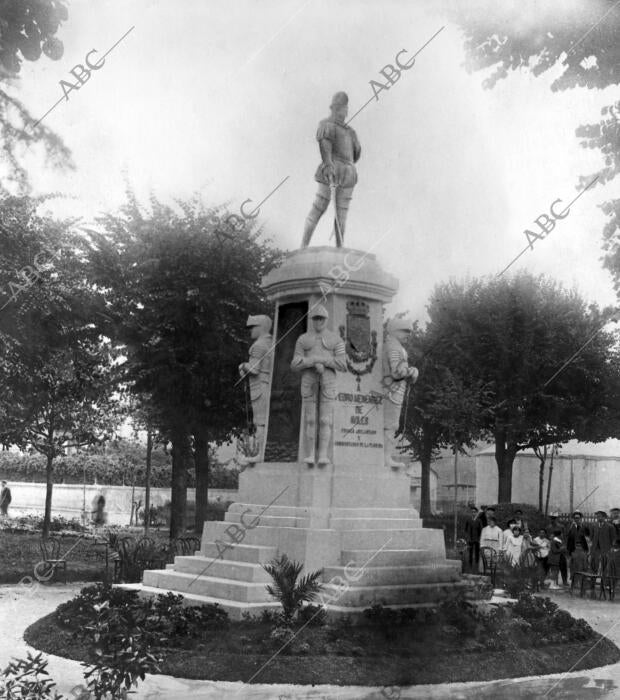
x,y
28,678
290,590
313,615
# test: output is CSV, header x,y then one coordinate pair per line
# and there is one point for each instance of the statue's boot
x,y
389,445
343,200
324,436
310,436
319,206
253,459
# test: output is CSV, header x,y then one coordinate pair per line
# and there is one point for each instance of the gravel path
x,y
20,607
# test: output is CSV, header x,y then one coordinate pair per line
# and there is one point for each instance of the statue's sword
x,y
337,227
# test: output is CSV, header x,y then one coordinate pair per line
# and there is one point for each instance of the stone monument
x,y
326,491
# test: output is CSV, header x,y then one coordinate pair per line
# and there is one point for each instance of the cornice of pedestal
x,y
326,269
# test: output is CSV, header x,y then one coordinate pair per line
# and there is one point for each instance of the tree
x,y
442,410
581,43
178,296
56,369
27,29
514,335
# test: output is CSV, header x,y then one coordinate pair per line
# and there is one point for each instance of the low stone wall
x,y
68,499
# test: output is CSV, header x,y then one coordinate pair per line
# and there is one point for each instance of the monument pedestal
x,y
351,518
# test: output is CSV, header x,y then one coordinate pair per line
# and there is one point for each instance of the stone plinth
x,y
351,515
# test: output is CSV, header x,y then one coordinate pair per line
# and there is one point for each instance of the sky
x,y
223,99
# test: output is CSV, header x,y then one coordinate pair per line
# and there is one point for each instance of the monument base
x,y
372,547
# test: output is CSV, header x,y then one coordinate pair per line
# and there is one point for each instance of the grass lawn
x,y
415,653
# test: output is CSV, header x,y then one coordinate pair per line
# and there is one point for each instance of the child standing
x,y
558,548
542,547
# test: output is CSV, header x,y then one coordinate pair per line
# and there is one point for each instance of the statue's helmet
x,y
399,324
263,321
318,311
340,99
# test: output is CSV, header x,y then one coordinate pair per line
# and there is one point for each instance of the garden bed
x,y
454,644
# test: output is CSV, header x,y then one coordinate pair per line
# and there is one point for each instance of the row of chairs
x,y
129,556
605,578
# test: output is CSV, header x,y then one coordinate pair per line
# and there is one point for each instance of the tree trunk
x,y
504,457
201,460
180,463
147,480
542,457
549,481
49,483
425,481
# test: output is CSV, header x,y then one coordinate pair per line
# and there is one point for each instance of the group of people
x,y
559,547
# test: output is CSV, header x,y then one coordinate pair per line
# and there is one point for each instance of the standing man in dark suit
x,y
614,516
473,529
576,534
603,537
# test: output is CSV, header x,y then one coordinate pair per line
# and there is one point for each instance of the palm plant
x,y
290,592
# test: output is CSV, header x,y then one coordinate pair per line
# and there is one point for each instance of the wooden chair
x,y
610,574
489,563
51,559
587,579
187,545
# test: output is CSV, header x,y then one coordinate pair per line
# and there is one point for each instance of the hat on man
x,y
601,512
399,324
318,311
259,320
555,514
340,99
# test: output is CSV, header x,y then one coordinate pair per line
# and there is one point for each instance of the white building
x,y
586,476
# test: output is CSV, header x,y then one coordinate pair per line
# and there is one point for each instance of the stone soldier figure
x,y
396,372
319,354
258,370
340,150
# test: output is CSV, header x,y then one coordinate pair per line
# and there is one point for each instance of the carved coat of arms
x,y
360,341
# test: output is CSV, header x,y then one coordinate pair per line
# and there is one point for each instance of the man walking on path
x,y
5,499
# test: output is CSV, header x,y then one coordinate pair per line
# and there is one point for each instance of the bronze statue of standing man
x,y
340,150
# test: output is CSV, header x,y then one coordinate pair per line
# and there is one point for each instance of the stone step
x,y
234,609
442,572
389,557
400,538
385,523
227,589
251,521
249,553
365,596
255,509
221,568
